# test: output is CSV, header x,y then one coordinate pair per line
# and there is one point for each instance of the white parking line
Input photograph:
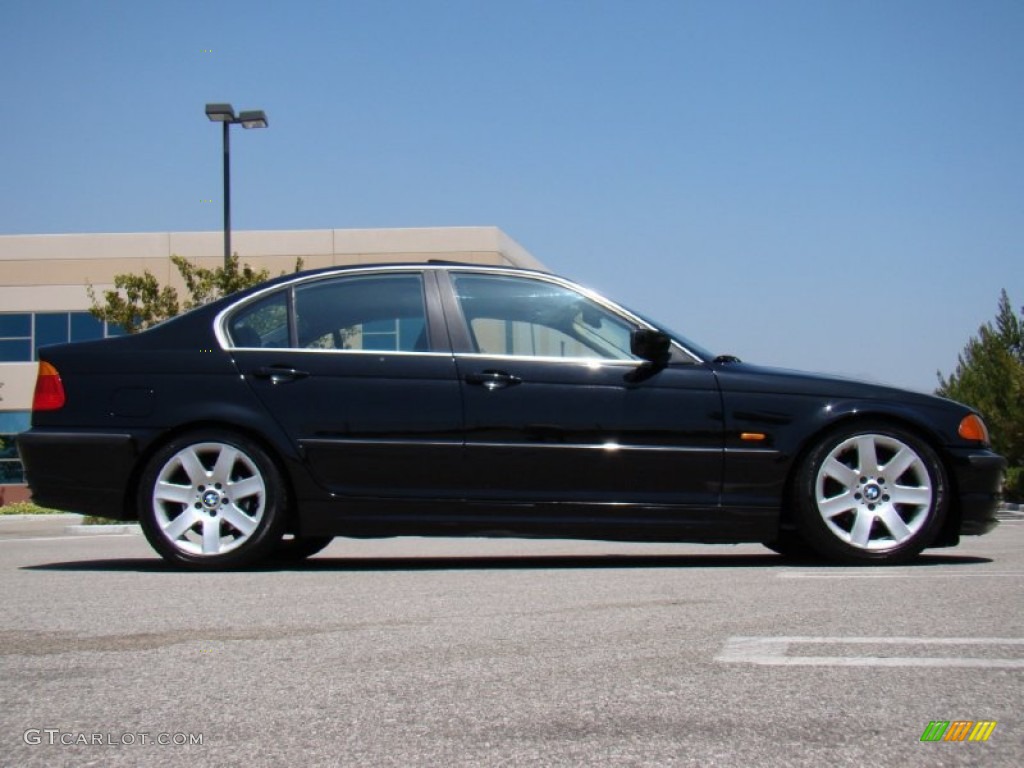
x,y
887,574
66,538
772,651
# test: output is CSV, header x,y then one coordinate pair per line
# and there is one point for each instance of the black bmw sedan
x,y
449,399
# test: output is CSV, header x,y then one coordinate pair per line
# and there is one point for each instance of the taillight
x,y
973,428
49,394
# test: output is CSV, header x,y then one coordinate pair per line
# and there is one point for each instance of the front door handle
x,y
492,380
279,373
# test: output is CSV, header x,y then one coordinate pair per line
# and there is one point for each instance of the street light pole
x,y
227,193
225,114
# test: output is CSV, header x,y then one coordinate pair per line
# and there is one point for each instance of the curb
x,y
58,516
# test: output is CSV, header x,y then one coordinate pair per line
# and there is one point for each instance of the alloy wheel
x,y
209,498
874,492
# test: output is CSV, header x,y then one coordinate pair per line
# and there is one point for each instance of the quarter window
x,y
535,318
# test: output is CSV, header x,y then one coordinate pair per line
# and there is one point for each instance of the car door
x,y
558,409
356,369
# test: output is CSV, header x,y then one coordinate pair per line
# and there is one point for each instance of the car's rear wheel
x,y
871,493
212,500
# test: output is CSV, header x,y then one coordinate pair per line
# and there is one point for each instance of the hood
x,y
746,377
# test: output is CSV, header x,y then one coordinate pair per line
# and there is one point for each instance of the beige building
x,y
44,280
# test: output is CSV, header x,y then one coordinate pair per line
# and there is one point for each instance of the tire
x,y
298,548
790,545
212,500
871,493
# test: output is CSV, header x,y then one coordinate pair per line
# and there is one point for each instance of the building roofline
x,y
268,243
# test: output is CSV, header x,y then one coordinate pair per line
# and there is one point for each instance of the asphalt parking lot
x,y
506,652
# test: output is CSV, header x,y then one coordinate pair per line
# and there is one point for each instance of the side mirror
x,y
653,346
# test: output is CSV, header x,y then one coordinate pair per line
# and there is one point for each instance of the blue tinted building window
x,y
11,472
380,335
51,328
11,423
23,333
15,350
411,335
13,325
85,327
15,337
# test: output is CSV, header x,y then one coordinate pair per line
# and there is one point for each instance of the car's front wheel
x,y
871,493
790,545
212,500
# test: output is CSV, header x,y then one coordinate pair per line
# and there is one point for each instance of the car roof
x,y
432,264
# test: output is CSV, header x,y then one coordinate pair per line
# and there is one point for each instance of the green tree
x,y
138,301
989,376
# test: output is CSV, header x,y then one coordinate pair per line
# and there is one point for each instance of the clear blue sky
x,y
816,184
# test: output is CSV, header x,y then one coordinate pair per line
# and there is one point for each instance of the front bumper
x,y
84,472
978,483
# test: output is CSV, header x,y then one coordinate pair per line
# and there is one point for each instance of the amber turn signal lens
x,y
49,394
973,428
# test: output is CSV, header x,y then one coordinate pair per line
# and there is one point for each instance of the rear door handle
x,y
492,380
279,373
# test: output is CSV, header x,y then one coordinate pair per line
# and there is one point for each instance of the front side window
x,y
364,312
535,318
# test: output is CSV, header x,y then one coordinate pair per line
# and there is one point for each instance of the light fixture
x,y
220,113
254,118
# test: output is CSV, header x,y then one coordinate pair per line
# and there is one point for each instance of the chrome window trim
x,y
220,321
318,351
611,447
433,443
583,362
597,298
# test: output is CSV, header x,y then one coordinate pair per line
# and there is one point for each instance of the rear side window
x,y
364,312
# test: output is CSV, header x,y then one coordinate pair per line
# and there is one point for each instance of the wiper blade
x,y
727,359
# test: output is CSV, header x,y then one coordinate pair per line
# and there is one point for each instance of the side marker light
x,y
973,428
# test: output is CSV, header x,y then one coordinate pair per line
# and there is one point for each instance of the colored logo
x,y
958,730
